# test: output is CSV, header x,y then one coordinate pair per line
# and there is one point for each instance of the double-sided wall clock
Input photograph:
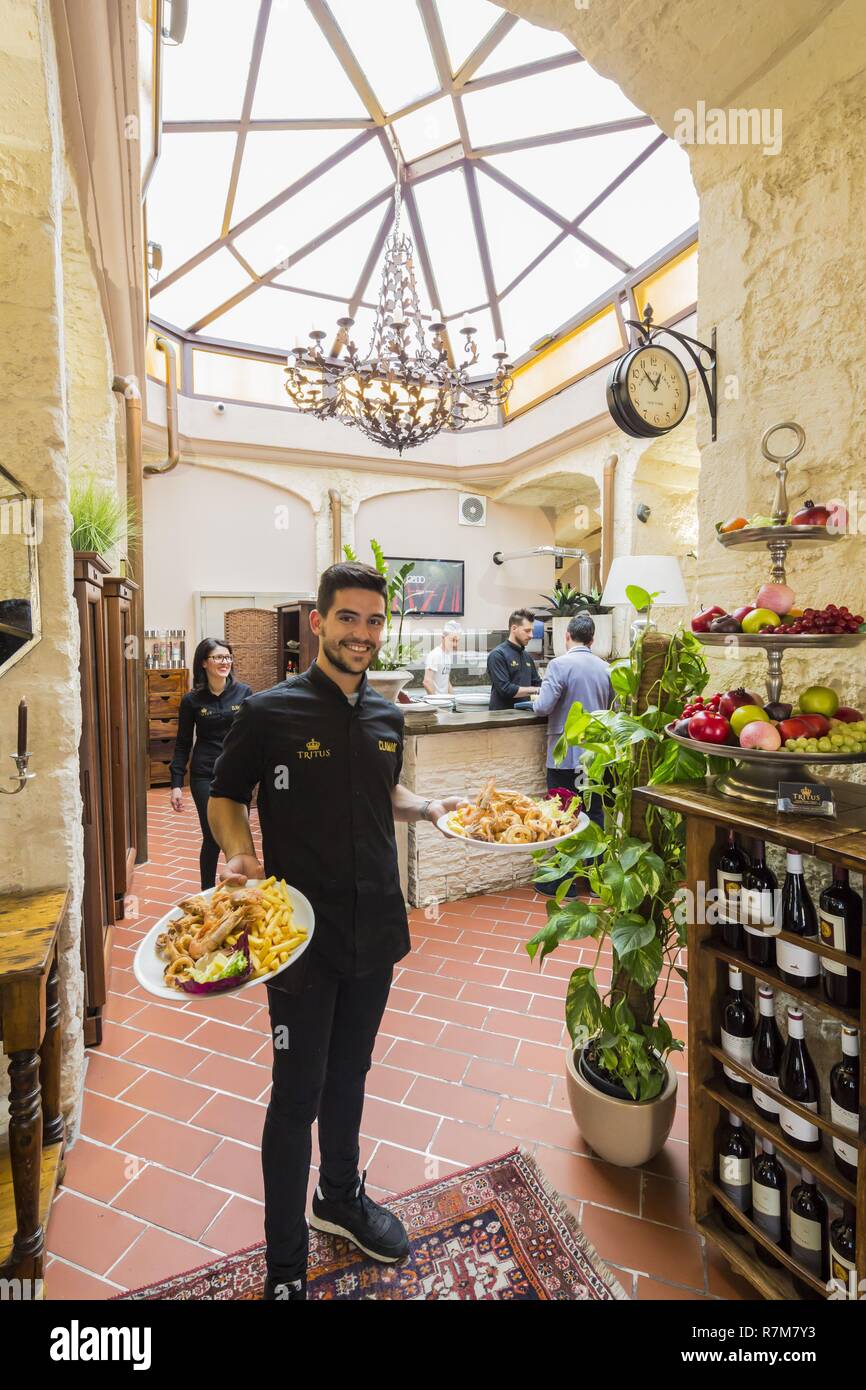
x,y
648,390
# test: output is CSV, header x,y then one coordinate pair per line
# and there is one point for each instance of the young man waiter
x,y
325,751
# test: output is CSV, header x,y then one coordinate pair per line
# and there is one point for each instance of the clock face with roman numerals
x,y
648,391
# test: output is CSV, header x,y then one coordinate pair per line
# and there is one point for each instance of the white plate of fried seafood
x,y
268,920
502,819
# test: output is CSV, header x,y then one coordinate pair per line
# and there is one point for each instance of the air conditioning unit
x,y
472,510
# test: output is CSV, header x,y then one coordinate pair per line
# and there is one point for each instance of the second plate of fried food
x,y
225,940
503,819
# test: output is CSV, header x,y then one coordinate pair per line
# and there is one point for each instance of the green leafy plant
x,y
101,520
566,601
393,654
635,864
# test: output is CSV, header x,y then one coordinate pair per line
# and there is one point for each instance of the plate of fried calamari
x,y
225,939
500,818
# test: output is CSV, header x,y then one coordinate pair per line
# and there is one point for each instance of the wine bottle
x,y
767,1054
797,967
845,1102
810,1236
733,863
798,1080
840,923
738,1028
760,887
769,1190
735,1168
843,1237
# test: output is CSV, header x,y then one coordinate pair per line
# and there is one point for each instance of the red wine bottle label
x,y
798,1128
741,1051
734,1171
761,1099
806,1236
795,961
766,1200
848,1120
730,887
832,931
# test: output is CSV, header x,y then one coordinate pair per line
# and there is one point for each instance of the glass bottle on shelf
x,y
843,1241
845,1102
735,1168
738,1029
840,924
767,1048
769,1191
760,887
796,966
809,1232
732,865
798,1080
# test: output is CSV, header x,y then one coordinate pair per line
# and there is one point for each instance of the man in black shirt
x,y
512,672
326,752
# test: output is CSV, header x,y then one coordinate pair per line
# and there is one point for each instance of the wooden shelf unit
x,y
833,841
166,687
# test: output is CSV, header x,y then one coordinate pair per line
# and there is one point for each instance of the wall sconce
x,y
22,757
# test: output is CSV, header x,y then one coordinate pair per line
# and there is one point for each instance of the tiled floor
x,y
166,1172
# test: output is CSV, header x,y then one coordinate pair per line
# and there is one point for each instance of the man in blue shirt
x,y
578,675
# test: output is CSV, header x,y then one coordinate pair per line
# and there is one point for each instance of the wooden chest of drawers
x,y
165,690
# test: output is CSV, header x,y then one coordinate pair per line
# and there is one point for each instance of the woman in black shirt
x,y
206,712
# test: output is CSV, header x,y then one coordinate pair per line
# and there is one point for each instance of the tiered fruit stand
x,y
755,773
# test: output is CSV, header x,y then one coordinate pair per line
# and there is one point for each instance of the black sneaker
x,y
374,1229
285,1290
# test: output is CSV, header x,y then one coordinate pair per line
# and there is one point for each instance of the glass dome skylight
x,y
531,184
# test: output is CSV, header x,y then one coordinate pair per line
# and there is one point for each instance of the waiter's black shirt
x,y
209,717
509,667
325,770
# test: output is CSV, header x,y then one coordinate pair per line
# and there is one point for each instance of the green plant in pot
x,y
102,521
394,654
565,602
622,1087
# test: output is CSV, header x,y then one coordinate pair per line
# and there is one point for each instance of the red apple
x,y
760,734
848,715
732,699
794,728
740,613
816,725
777,597
701,621
708,728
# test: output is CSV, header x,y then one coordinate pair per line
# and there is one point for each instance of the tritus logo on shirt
x,y
388,745
314,749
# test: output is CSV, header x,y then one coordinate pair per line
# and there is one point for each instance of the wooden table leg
x,y
25,1149
53,1129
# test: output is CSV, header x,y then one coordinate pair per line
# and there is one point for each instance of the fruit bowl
x,y
760,535
762,771
778,641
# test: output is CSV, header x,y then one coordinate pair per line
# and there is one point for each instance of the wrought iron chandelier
x,y
404,390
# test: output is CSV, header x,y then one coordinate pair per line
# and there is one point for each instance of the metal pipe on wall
x,y
607,494
127,387
167,350
336,525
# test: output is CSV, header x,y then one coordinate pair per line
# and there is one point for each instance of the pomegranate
x,y
732,699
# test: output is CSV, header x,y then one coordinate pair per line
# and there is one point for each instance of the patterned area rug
x,y
495,1231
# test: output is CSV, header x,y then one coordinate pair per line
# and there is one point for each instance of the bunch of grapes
x,y
698,705
830,619
841,738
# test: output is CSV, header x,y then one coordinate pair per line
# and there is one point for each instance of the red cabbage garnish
x,y
230,982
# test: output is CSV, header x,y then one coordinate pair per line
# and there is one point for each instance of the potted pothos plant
x,y
622,1085
387,671
565,602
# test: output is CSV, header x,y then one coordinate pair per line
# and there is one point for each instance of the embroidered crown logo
x,y
314,745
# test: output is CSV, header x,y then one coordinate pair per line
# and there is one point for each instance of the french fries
x,y
278,936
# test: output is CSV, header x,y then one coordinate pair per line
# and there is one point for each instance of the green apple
x,y
760,617
819,699
747,714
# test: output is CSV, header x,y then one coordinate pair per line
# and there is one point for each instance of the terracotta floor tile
x,y
450,1010
88,1234
117,1040
167,1095
410,1026
672,1162
446,950
659,1251
246,1079
397,1124
231,1117
653,1289
235,1167
666,1201
533,1123
242,1011
64,1282
240,1224
107,1075
496,997
457,1102
174,1203
463,971
427,1061
427,983
526,1027
397,1170
387,1082
479,1043
403,1000
157,1255
161,1054
120,1008
106,1120
507,1081
221,1037
540,1057
96,1171
170,1144
591,1180
467,1144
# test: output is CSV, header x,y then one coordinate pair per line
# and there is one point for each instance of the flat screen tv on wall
x,y
433,587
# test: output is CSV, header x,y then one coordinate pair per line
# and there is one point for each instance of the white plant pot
x,y
560,627
389,683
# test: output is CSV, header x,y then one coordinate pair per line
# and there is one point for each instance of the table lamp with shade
x,y
658,574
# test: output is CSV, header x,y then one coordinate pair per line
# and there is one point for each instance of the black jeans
x,y
323,1040
210,850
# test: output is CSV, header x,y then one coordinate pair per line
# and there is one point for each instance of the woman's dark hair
x,y
349,574
204,649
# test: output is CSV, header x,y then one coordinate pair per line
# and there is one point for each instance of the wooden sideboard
x,y
296,645
31,1159
165,690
